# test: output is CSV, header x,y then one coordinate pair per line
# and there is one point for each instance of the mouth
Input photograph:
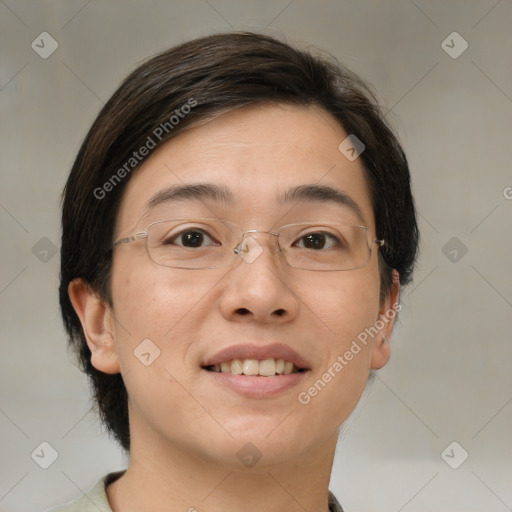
x,y
253,367
256,371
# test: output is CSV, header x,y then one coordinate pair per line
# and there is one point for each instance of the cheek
x,y
149,302
345,312
154,310
344,304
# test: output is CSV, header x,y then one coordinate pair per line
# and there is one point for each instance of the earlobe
x,y
97,324
381,352
387,313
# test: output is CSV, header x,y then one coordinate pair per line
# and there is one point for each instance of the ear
x,y
98,326
388,310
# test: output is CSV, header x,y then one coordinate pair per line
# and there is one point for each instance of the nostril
x,y
243,311
279,312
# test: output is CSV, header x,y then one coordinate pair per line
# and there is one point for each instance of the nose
x,y
259,287
249,249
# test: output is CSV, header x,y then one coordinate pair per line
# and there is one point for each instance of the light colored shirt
x,y
95,500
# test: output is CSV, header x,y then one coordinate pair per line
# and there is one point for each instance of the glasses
x,y
211,243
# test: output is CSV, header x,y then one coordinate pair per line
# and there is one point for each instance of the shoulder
x,y
93,500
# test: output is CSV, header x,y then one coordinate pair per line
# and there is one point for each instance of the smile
x,y
256,370
266,367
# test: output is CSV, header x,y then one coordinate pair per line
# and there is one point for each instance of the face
x,y
252,310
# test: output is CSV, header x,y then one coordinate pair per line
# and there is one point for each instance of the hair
x,y
215,74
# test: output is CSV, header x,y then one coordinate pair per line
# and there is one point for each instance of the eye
x,y
191,238
318,240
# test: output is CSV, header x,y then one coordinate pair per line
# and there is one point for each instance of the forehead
x,y
259,155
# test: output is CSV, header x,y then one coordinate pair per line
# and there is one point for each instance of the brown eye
x,y
318,241
192,238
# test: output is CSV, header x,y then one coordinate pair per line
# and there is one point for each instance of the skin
x,y
186,431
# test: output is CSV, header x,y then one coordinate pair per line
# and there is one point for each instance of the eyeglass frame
x,y
236,251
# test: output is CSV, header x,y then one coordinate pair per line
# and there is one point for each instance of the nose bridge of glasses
x,y
249,248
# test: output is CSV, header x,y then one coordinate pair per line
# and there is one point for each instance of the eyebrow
x,y
222,194
321,194
197,191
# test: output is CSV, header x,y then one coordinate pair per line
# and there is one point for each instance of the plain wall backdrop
x,y
447,391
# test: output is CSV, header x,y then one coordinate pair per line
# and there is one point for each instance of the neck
x,y
174,479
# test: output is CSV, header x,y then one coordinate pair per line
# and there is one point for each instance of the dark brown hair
x,y
212,75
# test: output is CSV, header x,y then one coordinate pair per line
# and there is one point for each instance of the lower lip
x,y
257,386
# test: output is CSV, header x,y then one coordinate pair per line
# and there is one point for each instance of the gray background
x,y
449,378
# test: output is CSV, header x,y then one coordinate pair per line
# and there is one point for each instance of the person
x,y
236,228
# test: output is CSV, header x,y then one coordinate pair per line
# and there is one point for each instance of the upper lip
x,y
260,352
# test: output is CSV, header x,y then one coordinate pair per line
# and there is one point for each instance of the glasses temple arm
x,y
132,238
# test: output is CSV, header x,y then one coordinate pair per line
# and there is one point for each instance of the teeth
x,y
236,367
251,367
266,367
288,368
